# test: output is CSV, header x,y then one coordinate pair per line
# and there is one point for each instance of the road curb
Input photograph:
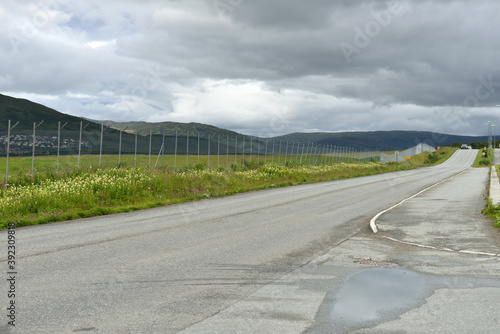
x,y
494,187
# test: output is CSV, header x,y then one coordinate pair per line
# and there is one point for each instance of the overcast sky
x,y
260,67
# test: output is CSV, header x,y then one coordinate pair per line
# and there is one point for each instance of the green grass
x,y
90,191
19,166
431,159
484,162
493,212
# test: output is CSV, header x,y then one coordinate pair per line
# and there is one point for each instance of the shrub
x,y
485,162
432,158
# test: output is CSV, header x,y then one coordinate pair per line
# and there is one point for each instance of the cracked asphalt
x,y
290,260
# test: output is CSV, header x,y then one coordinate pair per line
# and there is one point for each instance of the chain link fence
x,y
399,156
77,145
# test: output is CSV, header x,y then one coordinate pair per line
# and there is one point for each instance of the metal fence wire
x,y
170,148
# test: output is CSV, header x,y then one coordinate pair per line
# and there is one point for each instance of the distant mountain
x,y
382,140
27,112
169,128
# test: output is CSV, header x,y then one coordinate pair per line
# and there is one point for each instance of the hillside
x,y
169,128
27,112
382,140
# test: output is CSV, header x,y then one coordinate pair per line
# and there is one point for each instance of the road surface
x,y
276,261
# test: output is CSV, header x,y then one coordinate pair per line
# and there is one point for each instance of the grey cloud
x,y
432,55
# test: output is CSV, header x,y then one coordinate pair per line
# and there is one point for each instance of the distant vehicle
x,y
466,147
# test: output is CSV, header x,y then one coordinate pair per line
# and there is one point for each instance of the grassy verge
x,y
431,159
491,210
484,162
46,197
69,163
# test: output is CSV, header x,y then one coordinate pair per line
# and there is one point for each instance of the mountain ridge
x,y
28,112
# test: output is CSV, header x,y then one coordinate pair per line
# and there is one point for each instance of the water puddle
x,y
375,294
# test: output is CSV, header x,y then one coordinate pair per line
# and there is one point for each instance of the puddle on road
x,y
377,293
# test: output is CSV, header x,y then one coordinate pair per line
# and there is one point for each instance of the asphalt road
x,y
275,261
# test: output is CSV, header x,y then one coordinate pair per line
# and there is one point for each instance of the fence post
x,y
235,150
80,144
227,153
272,155
150,142
163,145
8,150
187,149
302,153
258,150
265,156
135,151
175,151
58,142
286,152
279,155
158,158
251,148
243,161
208,163
33,155
120,148
100,146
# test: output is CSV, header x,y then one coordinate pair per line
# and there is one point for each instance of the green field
x,y
90,191
69,164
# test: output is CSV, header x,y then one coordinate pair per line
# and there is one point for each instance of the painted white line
x,y
373,221
443,249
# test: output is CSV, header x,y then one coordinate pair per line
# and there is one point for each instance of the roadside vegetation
x,y
436,158
493,212
482,161
46,197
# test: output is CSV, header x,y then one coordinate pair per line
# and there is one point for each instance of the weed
x,y
432,158
46,197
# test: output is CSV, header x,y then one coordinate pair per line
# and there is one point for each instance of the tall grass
x,y
46,197
69,163
484,162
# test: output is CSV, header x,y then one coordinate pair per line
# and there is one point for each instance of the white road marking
x,y
373,221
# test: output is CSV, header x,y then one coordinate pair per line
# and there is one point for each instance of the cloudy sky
x,y
261,67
